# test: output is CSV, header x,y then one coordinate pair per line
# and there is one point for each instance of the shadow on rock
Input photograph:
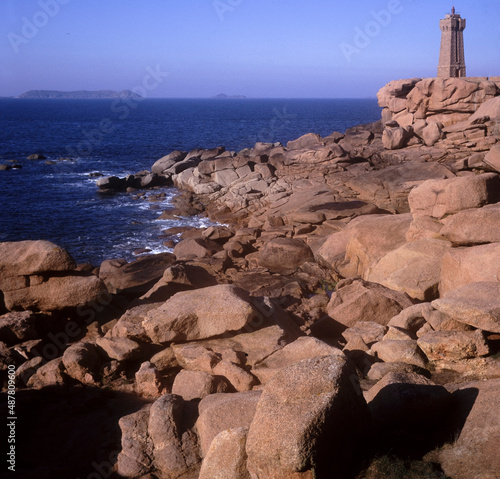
x,y
69,433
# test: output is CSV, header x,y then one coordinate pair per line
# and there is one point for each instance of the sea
x,y
57,199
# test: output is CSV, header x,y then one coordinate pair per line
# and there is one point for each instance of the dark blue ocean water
x,y
61,203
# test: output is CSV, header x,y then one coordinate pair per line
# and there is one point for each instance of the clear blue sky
x,y
258,48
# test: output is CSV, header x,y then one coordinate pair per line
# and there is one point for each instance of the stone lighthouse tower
x,y
451,57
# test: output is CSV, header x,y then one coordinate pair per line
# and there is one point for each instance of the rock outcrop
x,y
350,300
40,276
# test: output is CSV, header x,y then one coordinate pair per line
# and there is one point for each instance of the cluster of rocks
x,y
350,308
16,165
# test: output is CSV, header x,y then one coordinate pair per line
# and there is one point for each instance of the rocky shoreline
x,y
342,321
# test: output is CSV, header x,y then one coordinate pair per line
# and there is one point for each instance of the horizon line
x,y
203,98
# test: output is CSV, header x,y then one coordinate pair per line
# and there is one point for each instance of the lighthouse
x,y
451,56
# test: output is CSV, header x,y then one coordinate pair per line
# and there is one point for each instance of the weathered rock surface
x,y
462,266
120,349
148,381
359,300
219,412
308,422
136,456
474,226
476,304
301,349
453,345
368,332
129,325
26,258
54,293
50,374
136,277
17,327
81,362
227,458
175,445
284,255
414,268
438,198
473,453
370,239
196,248
492,158
379,370
254,346
412,318
395,137
198,384
200,314
490,109
399,350
240,379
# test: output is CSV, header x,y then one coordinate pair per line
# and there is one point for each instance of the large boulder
x,y
198,384
309,140
192,248
309,422
200,314
227,457
432,133
130,323
26,258
474,452
414,268
400,350
179,277
363,243
446,95
255,346
50,374
136,456
474,226
395,89
475,304
285,255
120,349
17,327
136,277
462,266
54,293
240,379
219,412
490,109
40,276
388,188
395,138
164,165
175,445
438,198
301,349
371,238
359,300
148,381
453,345
82,361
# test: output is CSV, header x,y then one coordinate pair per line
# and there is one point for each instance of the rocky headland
x,y
343,320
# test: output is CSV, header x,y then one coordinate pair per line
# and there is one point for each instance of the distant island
x,y
79,95
223,96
